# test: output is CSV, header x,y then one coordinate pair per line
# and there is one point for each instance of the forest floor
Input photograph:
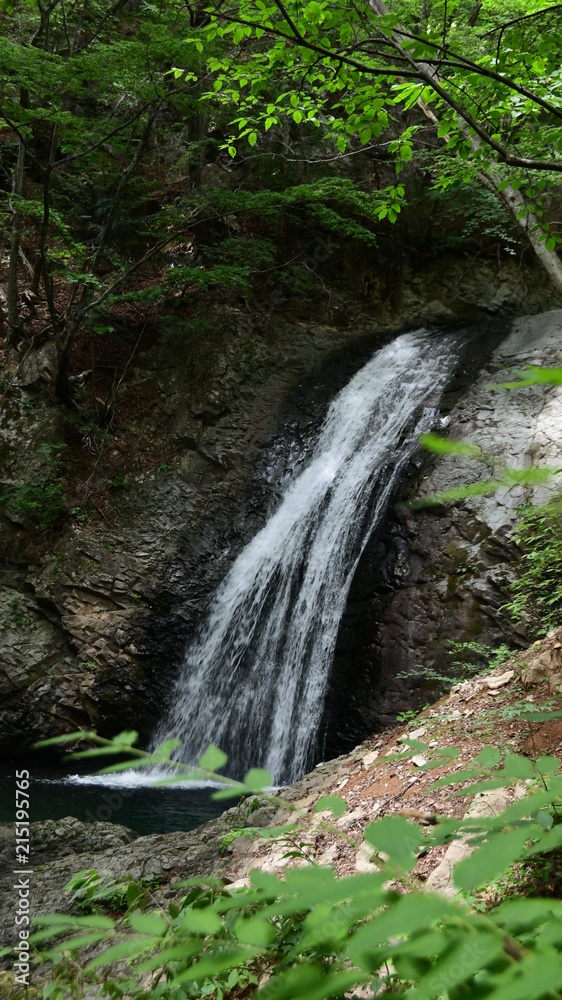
x,y
378,778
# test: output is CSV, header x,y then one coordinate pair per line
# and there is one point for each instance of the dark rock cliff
x,y
94,628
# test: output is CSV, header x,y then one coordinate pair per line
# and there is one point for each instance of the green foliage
x,y
18,616
338,203
354,73
466,660
538,588
42,501
461,214
120,482
472,655
93,892
311,933
246,252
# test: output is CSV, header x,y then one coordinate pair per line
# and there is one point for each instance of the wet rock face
x,y
94,632
101,623
441,575
67,846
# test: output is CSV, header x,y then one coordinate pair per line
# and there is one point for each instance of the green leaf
x,y
213,759
202,920
490,860
257,780
489,756
127,738
458,964
253,138
547,765
230,792
130,948
534,375
213,965
256,930
333,802
549,841
76,942
270,884
149,923
455,778
395,837
518,914
413,744
444,446
544,819
166,749
517,766
535,976
408,915
485,786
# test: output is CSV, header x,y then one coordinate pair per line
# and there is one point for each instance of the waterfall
x,y
254,680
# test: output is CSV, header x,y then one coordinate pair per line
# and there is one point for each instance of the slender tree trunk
x,y
44,235
513,200
14,331
63,341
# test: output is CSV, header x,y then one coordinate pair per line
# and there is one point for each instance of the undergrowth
x,y
466,660
539,586
42,500
309,933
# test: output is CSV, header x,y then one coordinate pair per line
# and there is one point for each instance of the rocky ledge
x,y
370,779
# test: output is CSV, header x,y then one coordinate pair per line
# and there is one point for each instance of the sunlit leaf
x,y
445,446
213,759
490,860
334,803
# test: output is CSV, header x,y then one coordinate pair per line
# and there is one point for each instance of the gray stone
x,y
460,557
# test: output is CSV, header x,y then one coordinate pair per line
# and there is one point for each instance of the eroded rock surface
x,y
101,621
448,568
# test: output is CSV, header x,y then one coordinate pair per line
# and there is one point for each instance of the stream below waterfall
x,y
58,792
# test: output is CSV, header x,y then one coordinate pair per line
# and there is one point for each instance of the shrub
x,y
539,587
310,933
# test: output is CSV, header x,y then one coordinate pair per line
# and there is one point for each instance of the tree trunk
x,y
513,200
530,225
64,340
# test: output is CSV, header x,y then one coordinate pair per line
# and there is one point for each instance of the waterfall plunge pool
x,y
126,799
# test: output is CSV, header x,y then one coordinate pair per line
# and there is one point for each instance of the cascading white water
x,y
255,679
